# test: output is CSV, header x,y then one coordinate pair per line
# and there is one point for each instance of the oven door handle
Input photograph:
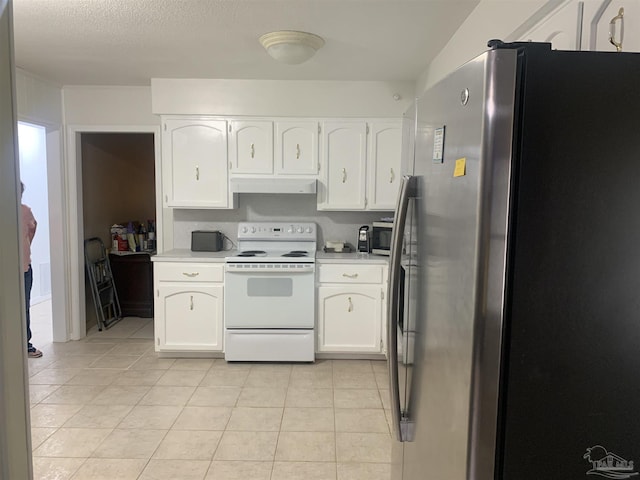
x,y
270,271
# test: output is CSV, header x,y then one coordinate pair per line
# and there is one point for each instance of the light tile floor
x,y
108,408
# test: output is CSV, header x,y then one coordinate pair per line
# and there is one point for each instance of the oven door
x,y
270,296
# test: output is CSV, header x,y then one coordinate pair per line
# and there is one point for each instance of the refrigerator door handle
x,y
400,219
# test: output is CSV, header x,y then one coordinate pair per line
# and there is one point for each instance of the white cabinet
x,y
383,164
351,308
188,302
580,25
596,35
253,151
251,146
194,163
561,28
344,156
296,147
361,165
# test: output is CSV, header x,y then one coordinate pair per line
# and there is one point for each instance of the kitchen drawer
x,y
350,273
189,272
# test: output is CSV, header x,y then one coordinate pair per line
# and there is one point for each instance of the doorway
x,y
32,150
77,145
118,188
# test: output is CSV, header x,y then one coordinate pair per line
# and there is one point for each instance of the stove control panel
x,y
277,231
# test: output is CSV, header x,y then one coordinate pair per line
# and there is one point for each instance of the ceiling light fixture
x,y
288,46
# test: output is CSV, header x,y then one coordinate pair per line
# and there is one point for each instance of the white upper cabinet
x,y
561,28
251,146
344,156
296,147
588,25
383,164
194,159
598,17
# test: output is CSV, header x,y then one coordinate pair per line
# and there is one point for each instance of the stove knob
x,y
309,230
290,230
245,229
299,230
253,229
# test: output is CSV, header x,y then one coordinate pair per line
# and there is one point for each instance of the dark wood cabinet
x,y
133,279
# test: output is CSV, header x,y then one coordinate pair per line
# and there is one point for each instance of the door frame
x,y
78,327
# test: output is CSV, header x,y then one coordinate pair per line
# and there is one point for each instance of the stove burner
x,y
296,253
252,253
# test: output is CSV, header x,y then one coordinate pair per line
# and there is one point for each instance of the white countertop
x,y
354,257
186,255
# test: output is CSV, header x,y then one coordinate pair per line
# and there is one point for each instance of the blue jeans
x,y
28,283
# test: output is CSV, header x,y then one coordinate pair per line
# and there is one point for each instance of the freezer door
x,y
462,169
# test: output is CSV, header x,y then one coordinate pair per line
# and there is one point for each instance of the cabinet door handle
x,y
193,274
253,150
612,30
344,175
191,304
392,176
297,151
197,172
350,275
350,308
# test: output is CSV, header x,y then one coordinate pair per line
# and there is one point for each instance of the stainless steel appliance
x,y
364,239
381,237
270,293
513,315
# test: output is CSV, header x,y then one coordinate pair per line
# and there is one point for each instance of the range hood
x,y
273,185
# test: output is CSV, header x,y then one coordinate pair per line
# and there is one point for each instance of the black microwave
x,y
381,238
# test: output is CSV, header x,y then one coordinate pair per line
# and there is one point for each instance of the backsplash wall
x,y
340,226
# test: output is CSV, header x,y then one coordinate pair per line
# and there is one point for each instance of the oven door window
x,y
269,287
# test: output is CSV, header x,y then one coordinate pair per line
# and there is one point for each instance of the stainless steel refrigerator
x,y
514,290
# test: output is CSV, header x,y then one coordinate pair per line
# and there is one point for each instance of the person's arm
x,y
32,226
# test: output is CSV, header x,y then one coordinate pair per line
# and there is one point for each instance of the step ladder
x,y
103,290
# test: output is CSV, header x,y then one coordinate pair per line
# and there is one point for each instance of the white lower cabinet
x,y
188,307
351,307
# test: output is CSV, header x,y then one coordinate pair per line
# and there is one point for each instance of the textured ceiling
x,y
127,42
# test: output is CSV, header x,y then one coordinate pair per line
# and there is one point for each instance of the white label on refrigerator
x,y
438,145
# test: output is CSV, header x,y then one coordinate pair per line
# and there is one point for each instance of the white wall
x,y
15,439
272,207
39,101
491,19
280,97
33,173
104,105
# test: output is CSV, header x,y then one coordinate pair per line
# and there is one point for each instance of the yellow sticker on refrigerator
x,y
461,167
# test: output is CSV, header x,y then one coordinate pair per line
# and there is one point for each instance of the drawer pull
x,y
191,275
350,275
191,305
392,177
197,172
344,175
253,150
350,308
297,151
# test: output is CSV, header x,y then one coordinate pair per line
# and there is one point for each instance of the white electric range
x,y
270,293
